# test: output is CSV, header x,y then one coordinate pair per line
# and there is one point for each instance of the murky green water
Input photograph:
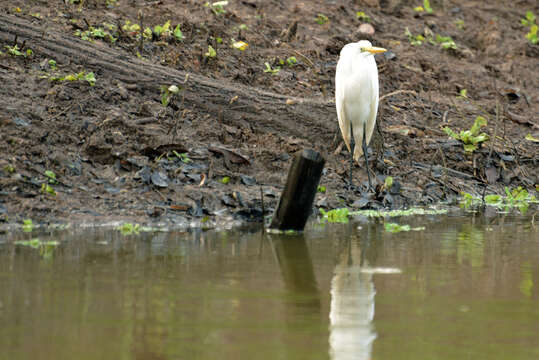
x,y
465,288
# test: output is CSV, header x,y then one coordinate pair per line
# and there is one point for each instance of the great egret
x,y
356,97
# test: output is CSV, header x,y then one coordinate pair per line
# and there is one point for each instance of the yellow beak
x,y
375,50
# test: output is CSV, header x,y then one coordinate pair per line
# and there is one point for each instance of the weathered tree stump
x,y
296,200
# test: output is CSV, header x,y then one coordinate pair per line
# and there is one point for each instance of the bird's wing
x,y
373,106
344,123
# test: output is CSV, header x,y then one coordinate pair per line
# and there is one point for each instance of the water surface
x,y
464,288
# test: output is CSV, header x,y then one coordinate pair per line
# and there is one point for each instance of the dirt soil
x,y
231,132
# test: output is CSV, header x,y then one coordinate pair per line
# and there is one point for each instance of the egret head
x,y
366,47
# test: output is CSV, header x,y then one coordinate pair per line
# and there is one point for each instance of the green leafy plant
x,y
446,42
470,138
321,19
335,215
291,61
52,176
388,182
95,33
129,228
217,7
529,21
27,225
52,64
178,33
271,70
183,157
426,7
47,189
518,198
168,92
211,53
321,189
81,76
225,180
415,40
14,50
363,17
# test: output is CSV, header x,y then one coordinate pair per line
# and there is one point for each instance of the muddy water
x,y
464,288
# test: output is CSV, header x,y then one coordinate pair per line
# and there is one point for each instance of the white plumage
x,y
356,92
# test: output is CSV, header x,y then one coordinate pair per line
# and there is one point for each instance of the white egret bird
x,y
356,97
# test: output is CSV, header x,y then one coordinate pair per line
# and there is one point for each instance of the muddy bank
x,y
117,152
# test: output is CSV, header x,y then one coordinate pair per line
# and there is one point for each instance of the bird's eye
x,y
362,49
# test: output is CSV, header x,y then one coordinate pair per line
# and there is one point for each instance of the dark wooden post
x,y
297,197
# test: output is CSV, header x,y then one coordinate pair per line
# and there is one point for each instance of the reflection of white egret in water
x,y
352,307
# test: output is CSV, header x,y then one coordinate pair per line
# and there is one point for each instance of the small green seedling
x,y
52,176
529,21
225,180
463,94
95,33
183,157
271,70
459,24
217,7
129,229
162,30
47,189
168,93
388,182
27,225
321,189
16,51
321,19
363,17
415,40
446,42
335,215
52,64
178,33
9,169
426,7
530,137
211,53
470,138
291,61
82,76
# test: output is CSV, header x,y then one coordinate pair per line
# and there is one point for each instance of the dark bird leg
x,y
365,154
352,147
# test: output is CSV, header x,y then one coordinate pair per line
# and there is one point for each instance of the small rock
x,y
366,29
389,55
159,179
20,121
247,180
143,174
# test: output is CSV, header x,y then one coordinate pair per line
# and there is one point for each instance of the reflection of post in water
x,y
297,268
352,305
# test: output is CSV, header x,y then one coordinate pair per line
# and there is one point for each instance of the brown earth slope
x,y
117,152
